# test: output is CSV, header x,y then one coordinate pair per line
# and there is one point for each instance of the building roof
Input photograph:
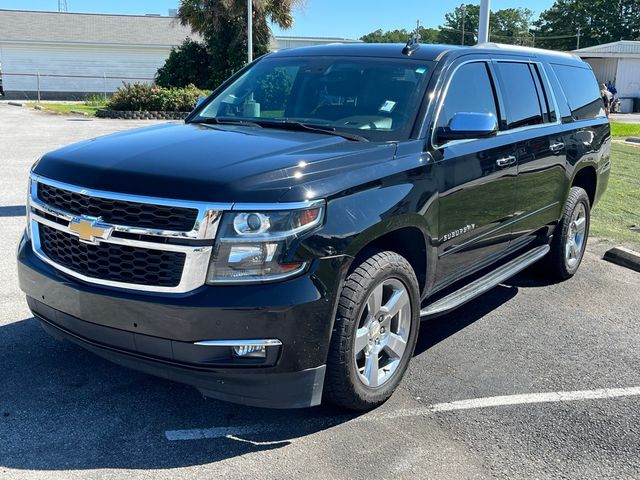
x,y
55,27
26,26
622,48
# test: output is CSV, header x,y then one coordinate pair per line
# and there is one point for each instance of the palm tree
x,y
211,18
223,26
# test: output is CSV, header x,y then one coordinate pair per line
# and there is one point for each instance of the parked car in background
x,y
282,245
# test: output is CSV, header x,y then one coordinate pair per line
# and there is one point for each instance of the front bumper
x,y
156,333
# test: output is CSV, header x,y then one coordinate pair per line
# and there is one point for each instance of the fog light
x,y
250,351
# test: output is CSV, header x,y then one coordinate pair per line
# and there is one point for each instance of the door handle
x,y
556,147
506,161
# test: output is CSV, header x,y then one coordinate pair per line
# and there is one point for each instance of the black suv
x,y
283,243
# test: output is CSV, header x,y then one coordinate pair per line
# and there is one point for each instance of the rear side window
x,y
581,89
520,95
470,90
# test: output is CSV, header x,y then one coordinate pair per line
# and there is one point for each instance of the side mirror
x,y
200,101
468,125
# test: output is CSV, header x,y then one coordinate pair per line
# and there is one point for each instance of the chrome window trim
x,y
552,94
488,60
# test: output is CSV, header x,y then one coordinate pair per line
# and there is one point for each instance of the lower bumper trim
x,y
269,390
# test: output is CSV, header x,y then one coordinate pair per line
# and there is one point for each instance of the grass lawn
x,y
65,108
619,129
619,208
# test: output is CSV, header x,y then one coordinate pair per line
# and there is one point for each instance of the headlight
x,y
251,246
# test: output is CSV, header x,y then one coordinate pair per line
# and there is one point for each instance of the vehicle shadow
x,y
62,408
13,211
435,330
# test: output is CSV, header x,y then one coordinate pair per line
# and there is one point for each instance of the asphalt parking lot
x,y
532,380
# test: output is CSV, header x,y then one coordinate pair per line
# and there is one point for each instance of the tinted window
x,y
471,91
581,89
520,94
546,101
376,98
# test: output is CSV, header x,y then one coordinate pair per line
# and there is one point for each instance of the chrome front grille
x,y
105,261
113,211
152,244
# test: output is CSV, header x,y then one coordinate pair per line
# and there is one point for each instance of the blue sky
x,y
323,18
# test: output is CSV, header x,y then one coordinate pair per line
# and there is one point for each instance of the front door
x,y
476,178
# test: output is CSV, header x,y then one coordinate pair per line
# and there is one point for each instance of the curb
x,y
141,115
623,257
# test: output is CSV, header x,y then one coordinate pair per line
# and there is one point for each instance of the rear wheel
x,y
570,238
375,332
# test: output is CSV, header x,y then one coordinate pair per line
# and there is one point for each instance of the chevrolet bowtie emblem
x,y
90,230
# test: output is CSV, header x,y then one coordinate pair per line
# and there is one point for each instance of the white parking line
x,y
474,403
521,399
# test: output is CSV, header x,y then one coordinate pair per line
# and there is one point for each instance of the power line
x,y
541,37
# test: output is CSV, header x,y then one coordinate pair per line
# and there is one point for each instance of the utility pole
x,y
464,11
483,30
62,6
250,30
578,38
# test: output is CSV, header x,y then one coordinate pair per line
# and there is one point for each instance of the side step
x,y
484,284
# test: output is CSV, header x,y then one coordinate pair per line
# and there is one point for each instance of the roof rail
x,y
520,48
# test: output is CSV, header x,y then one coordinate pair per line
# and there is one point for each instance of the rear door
x,y
476,178
533,125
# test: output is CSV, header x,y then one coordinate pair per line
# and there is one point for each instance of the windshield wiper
x,y
300,126
227,121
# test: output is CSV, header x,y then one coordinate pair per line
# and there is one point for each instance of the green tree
x,y
391,36
186,64
427,35
598,21
509,25
223,26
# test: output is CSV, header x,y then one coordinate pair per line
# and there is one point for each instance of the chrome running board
x,y
484,284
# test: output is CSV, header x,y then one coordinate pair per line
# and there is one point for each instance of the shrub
x,y
273,90
95,100
187,64
143,97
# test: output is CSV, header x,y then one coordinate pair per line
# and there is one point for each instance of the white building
x,y
69,55
618,63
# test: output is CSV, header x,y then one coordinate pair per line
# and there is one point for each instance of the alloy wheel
x,y
383,332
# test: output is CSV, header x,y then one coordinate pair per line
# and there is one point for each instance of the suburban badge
x,y
458,232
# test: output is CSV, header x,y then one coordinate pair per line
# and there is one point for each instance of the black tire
x,y
343,386
556,264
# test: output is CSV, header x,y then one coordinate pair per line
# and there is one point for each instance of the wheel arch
x,y
404,238
587,179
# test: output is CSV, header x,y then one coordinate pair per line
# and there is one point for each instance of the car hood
x,y
218,163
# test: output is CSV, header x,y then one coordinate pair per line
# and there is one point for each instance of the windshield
x,y
375,98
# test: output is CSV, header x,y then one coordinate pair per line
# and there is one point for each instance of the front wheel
x,y
570,238
375,332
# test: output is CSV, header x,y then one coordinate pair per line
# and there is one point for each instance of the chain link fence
x,y
55,86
